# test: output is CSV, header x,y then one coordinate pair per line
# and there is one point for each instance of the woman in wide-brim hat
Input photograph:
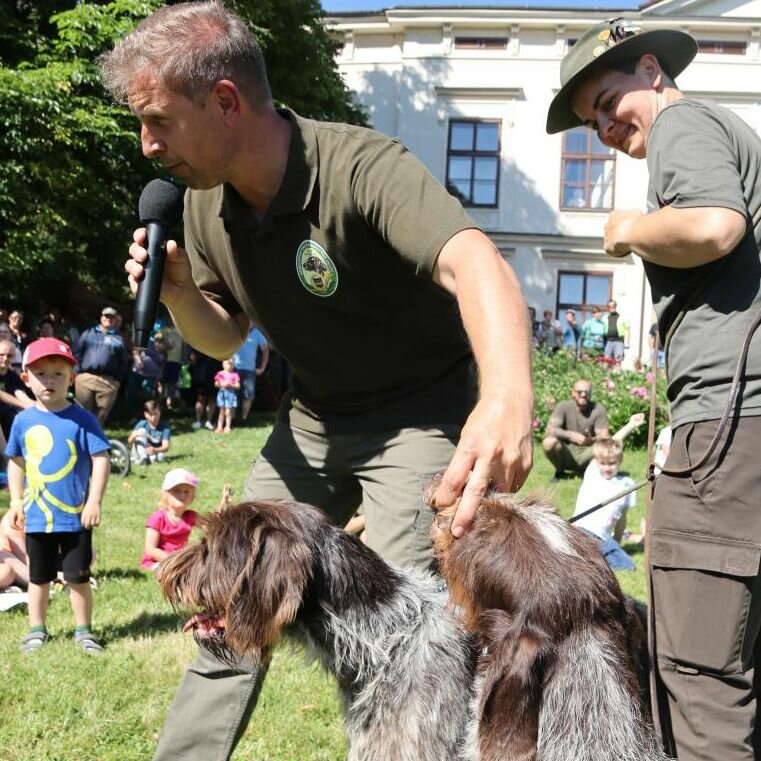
x,y
608,45
700,246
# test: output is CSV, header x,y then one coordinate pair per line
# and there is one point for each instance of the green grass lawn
x,y
62,705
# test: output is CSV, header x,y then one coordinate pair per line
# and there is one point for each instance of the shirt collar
x,y
299,179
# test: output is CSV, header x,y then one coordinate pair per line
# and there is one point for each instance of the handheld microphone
x,y
160,208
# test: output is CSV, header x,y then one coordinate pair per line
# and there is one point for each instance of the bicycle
x,y
119,457
118,453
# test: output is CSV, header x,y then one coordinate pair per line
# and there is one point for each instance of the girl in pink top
x,y
168,529
228,383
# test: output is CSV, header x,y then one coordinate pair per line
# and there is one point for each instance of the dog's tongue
x,y
204,623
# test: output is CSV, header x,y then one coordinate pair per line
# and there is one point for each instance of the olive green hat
x,y
607,44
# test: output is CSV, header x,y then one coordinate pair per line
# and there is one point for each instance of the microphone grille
x,y
160,201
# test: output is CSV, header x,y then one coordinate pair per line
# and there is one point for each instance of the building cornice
x,y
397,20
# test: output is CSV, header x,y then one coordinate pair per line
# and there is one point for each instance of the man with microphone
x,y
405,329
699,243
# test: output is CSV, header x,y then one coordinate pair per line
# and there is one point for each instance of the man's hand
x,y
495,450
578,438
176,276
90,516
617,239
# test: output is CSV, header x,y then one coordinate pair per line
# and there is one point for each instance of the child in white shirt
x,y
603,481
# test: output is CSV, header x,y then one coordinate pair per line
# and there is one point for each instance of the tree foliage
x,y
71,169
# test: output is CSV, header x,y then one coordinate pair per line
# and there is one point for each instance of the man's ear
x,y
24,375
649,66
227,97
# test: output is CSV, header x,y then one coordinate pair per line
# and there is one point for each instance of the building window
x,y
588,170
480,43
583,291
473,161
721,47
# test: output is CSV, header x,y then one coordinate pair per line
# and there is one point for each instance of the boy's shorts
x,y
71,551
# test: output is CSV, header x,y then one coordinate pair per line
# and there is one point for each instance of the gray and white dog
x,y
416,683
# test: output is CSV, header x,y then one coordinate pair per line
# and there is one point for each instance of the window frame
x,y
588,157
723,47
479,42
473,154
583,309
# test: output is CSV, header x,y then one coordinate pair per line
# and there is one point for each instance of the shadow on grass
x,y
171,458
180,422
114,574
633,548
145,625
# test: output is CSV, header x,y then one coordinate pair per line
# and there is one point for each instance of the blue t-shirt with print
x,y
56,447
153,436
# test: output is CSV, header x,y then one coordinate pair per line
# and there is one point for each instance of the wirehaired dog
x,y
554,680
404,664
557,677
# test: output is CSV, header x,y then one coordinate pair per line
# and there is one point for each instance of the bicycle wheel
x,y
119,456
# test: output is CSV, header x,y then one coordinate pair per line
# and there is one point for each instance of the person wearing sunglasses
x,y
573,428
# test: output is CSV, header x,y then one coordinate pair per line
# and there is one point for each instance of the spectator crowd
x,y
602,335
115,380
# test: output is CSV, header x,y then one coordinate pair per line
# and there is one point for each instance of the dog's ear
x,y
269,590
513,667
179,576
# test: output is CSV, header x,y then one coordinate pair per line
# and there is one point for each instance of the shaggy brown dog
x,y
561,643
403,661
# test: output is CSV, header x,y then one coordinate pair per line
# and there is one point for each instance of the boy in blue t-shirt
x,y
150,439
58,468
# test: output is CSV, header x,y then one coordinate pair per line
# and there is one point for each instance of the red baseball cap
x,y
47,347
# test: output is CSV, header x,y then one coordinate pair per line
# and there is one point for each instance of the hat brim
x,y
674,49
48,355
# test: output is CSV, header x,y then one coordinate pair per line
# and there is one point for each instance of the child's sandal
x,y
88,644
32,642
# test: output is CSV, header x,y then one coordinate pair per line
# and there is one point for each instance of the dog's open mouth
x,y
210,633
205,624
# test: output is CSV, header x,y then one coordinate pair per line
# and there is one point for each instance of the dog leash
x,y
652,672
606,502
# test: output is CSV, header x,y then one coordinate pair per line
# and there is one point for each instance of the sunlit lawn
x,y
61,705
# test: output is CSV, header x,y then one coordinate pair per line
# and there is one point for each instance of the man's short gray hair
x,y
189,47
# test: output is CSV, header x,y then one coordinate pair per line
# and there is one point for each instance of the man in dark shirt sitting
x,y
573,428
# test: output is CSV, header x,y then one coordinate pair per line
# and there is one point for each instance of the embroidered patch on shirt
x,y
315,269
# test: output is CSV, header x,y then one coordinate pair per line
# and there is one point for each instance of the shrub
x,y
622,392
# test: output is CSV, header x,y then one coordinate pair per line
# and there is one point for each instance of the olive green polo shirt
x,y
708,308
338,275
589,420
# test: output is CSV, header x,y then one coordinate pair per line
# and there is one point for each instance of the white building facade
x,y
467,91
